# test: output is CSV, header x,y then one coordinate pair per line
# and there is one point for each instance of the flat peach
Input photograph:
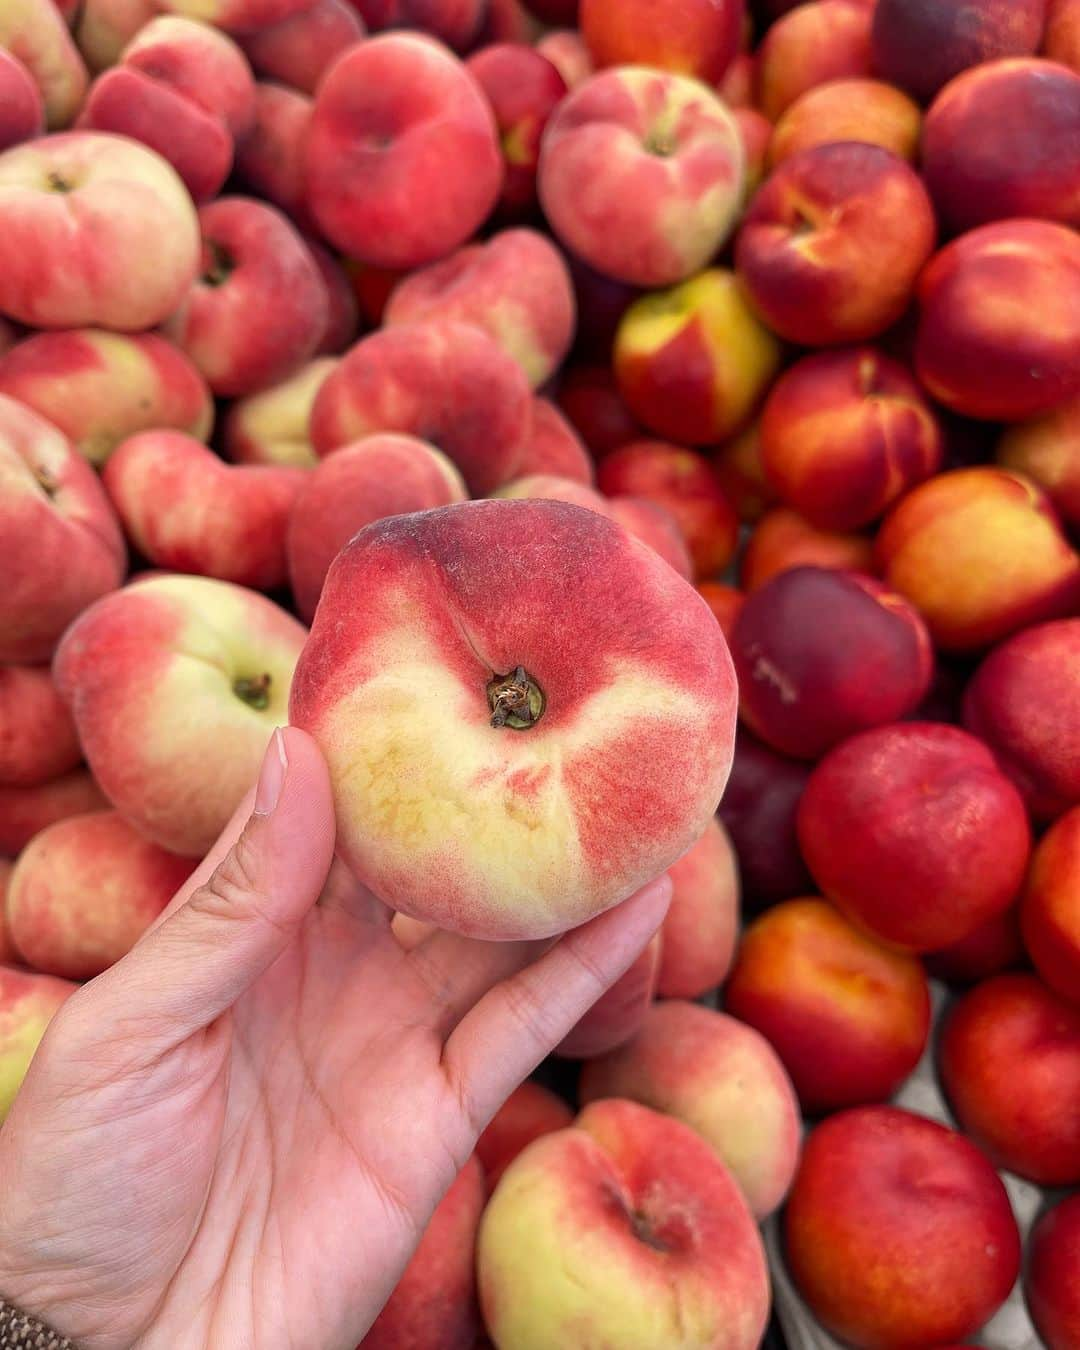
x,y
22,113
269,157
37,735
530,1112
36,35
25,811
590,398
698,934
554,447
28,1003
300,49
273,426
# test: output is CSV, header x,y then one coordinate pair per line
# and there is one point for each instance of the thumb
x,y
213,947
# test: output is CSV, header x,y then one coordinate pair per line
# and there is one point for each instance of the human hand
x,y
236,1135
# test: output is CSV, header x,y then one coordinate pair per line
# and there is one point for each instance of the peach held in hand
x,y
623,1230
505,692
37,735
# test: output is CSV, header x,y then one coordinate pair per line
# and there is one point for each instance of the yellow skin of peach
x,y
37,35
849,110
27,1005
708,320
564,1253
980,554
105,27
271,427
103,387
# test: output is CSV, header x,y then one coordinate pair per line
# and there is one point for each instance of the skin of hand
x,y
235,1136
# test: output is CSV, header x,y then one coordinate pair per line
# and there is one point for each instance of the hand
x,y
235,1136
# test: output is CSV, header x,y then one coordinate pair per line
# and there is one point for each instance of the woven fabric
x,y
19,1331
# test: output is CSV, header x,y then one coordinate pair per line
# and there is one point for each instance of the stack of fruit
x,y
788,294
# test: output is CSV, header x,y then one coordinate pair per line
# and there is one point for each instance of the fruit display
x,y
628,436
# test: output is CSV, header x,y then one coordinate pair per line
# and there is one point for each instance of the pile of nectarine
x,y
628,435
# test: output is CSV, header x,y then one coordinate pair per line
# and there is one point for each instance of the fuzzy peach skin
x,y
300,49
1000,321
844,434
27,1005
914,834
36,35
273,426
186,510
1049,916
104,28
898,1231
343,308
175,684
721,1078
725,602
1061,38
379,476
434,1303
1024,702
654,525
402,156
641,174
624,1229
692,363
62,544
1000,141
523,87
690,37
1052,1277
848,110
783,539
921,44
530,1112
253,262
993,948
454,22
848,1017
742,475
497,831
553,446
443,381
813,45
85,890
683,482
515,287
833,243
698,935
236,16
22,113
8,955
100,387
199,62
980,554
269,158
37,735
617,1015
822,654
1009,1059
25,811
118,215
1047,450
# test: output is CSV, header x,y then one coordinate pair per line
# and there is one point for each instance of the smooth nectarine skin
x,y
898,1231
822,654
84,891
1024,702
496,830
382,475
783,539
1009,1058
848,1017
725,602
1047,451
833,243
1052,1279
683,482
758,809
1000,141
722,1078
690,37
914,833
445,382
999,326
921,44
980,553
1049,915
814,44
626,1230
434,1303
26,810
991,949
37,735
844,434
848,110
528,1113
698,935
402,157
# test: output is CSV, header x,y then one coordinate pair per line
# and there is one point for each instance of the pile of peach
x,y
788,294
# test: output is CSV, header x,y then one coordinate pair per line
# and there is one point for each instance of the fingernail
x,y
272,775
